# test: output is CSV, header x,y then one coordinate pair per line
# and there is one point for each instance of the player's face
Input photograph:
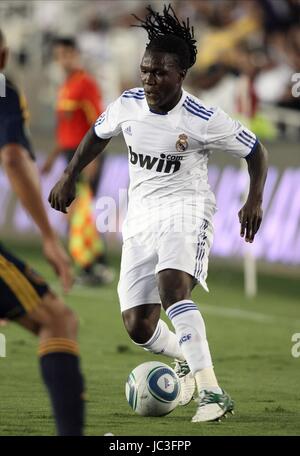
x,y
162,80
67,58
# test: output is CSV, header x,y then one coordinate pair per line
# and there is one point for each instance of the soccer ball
x,y
152,389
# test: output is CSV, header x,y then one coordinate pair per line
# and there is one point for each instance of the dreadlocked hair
x,y
167,34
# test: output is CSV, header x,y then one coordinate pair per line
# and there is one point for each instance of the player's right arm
x,y
93,143
64,191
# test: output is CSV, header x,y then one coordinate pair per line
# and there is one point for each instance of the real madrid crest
x,y
182,143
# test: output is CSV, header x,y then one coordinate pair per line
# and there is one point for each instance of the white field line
x,y
232,312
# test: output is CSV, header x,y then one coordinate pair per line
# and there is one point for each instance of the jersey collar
x,y
176,107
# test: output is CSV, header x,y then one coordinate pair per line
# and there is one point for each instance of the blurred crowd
x,y
248,50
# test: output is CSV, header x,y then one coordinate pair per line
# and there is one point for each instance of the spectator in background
x,y
247,55
79,103
95,44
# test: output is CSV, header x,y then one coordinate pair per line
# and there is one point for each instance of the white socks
x,y
190,331
206,380
163,342
189,343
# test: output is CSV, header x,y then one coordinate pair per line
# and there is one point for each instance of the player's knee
x,y
11,155
169,294
139,330
173,287
59,318
69,320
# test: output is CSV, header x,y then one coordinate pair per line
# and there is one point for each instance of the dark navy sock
x,y
62,376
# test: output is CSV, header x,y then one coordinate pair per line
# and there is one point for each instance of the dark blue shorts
x,y
21,288
12,132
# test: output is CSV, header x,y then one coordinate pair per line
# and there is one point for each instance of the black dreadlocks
x,y
167,34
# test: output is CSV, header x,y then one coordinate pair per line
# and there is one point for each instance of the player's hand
x,y
59,260
250,217
62,194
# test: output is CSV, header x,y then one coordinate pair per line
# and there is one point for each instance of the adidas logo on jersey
x,y
165,164
128,131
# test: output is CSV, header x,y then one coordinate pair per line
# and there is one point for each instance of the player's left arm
x,y
226,134
250,215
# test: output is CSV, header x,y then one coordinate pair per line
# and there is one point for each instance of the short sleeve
x,y
108,124
229,135
13,116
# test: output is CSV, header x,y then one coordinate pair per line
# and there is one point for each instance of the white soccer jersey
x,y
168,154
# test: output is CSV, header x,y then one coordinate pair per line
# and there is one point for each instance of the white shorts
x,y
148,253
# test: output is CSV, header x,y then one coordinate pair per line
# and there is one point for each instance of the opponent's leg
x,y
26,299
56,326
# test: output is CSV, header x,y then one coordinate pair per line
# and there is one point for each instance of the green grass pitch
x,y
250,342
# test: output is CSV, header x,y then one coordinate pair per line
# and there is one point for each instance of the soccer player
x,y
79,103
24,295
168,229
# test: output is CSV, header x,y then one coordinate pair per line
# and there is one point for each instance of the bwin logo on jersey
x,y
185,338
165,164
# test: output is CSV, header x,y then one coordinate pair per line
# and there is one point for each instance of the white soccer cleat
x,y
187,382
213,406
